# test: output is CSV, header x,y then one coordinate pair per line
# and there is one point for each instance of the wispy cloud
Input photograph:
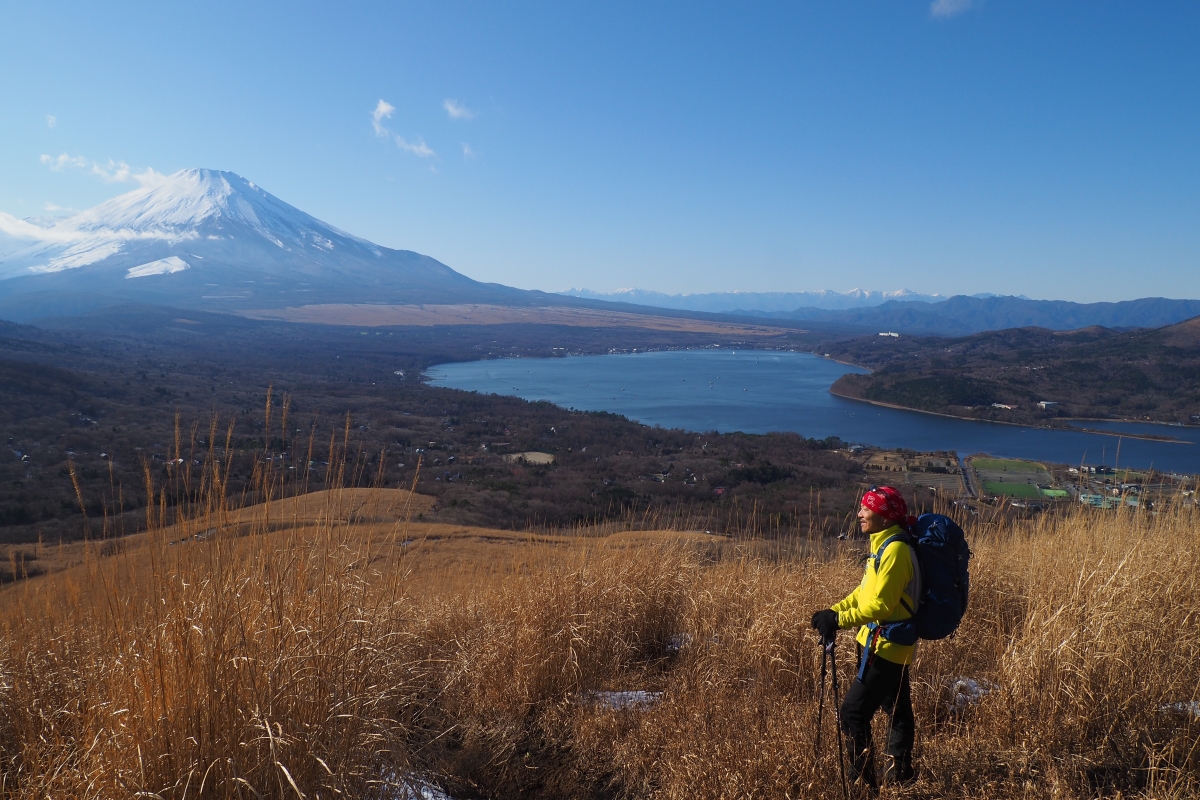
x,y
67,230
457,110
950,8
383,110
467,151
112,172
417,148
23,229
120,172
51,121
60,162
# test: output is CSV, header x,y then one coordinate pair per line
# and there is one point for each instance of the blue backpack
x,y
942,555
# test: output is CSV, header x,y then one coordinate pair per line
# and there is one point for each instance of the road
x,y
967,480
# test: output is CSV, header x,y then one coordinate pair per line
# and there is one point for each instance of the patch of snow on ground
x,y
678,641
1189,708
164,266
621,701
412,787
966,692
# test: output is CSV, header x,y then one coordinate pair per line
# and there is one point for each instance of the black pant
x,y
883,685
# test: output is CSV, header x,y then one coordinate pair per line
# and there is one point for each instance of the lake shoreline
x,y
762,391
1117,434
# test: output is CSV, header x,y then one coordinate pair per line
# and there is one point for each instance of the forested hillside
x,y
1094,372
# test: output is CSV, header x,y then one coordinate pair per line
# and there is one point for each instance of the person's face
x,y
870,522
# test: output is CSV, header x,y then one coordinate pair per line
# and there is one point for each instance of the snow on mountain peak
x,y
188,205
213,240
183,200
182,203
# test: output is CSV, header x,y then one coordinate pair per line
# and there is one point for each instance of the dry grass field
x,y
369,316
335,646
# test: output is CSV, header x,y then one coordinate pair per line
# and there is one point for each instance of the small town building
x,y
531,457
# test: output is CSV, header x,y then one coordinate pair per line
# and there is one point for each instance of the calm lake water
x,y
757,392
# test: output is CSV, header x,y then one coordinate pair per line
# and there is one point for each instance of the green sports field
x,y
1009,477
1007,465
1011,489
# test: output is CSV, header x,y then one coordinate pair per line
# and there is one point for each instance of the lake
x,y
761,391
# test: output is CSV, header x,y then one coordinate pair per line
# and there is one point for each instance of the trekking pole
x,y
837,707
829,656
821,697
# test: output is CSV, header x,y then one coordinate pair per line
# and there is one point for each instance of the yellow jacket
x,y
878,596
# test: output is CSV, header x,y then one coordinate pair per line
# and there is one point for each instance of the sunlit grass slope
x,y
333,647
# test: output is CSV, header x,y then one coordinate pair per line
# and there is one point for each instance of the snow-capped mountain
x,y
726,302
208,239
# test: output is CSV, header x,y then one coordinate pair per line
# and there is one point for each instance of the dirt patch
x,y
473,314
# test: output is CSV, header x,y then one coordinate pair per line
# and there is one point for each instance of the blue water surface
x,y
761,391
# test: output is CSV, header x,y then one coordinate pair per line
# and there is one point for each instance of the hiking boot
x,y
898,770
862,766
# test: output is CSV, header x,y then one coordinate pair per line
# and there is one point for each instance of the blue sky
x,y
1038,148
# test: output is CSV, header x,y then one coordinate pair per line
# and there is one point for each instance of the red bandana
x,y
887,502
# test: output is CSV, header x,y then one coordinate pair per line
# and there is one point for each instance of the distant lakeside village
x,y
1024,484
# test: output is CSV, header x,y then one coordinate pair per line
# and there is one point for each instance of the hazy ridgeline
x,y
329,655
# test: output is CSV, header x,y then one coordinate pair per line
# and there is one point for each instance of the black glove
x,y
825,622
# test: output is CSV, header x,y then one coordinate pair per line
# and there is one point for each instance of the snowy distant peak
x,y
187,204
190,205
208,239
195,201
183,200
721,302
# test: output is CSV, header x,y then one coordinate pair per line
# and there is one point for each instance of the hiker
x,y
887,594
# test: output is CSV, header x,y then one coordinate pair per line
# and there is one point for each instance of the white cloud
x,y
51,121
62,161
120,172
112,172
23,229
457,110
383,110
950,8
467,151
418,148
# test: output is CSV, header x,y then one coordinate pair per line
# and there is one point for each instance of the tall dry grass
x,y
276,660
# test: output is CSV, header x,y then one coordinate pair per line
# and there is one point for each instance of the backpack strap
x,y
905,537
878,554
868,652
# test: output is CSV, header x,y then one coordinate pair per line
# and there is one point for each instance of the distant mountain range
x,y
964,315
752,302
908,312
205,239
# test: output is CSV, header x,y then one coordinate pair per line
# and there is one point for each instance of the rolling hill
x,y
1094,373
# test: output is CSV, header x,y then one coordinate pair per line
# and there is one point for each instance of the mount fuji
x,y
210,240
